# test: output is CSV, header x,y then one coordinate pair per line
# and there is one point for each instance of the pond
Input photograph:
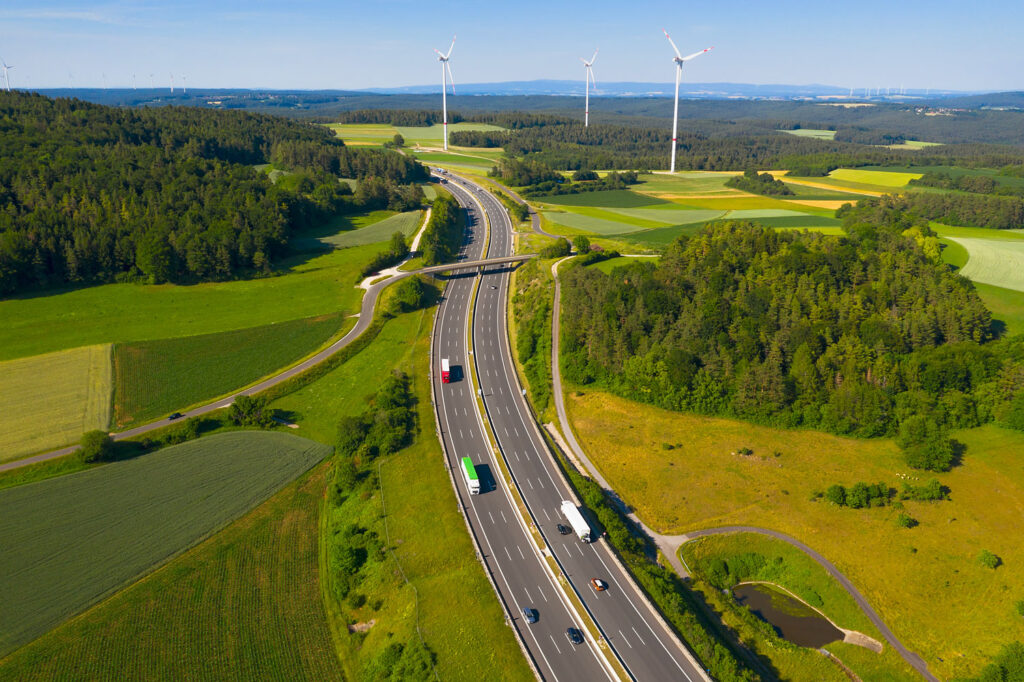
x,y
793,620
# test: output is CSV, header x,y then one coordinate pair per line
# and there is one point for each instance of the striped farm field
x,y
243,605
375,233
613,198
50,400
811,132
72,540
683,183
153,378
671,216
591,224
996,262
869,177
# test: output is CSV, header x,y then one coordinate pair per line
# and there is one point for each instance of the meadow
x,y
245,604
72,540
683,472
305,286
51,400
817,134
606,266
1006,305
996,262
421,517
345,231
154,378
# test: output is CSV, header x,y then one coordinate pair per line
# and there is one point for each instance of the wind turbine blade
x,y
450,48
585,62
697,54
592,79
671,43
594,58
451,78
439,53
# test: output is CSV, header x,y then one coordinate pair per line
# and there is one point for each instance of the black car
x,y
574,636
529,614
175,415
563,530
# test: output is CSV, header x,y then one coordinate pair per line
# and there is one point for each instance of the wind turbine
x,y
446,75
587,79
184,84
679,59
172,83
133,82
7,78
152,85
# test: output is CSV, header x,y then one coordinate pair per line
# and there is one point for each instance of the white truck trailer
x,y
576,520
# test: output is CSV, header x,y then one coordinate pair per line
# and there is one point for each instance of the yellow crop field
x,y
51,400
869,177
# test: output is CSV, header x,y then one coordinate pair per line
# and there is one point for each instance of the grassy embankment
x,y
245,604
121,520
925,582
49,400
428,536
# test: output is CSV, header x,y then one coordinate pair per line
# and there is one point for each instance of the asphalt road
x,y
630,626
369,303
508,550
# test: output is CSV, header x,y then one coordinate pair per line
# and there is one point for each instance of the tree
x,y
398,140
97,446
836,494
988,559
250,411
1008,665
581,243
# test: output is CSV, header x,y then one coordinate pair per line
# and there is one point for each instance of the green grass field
x,y
422,517
72,540
121,313
613,198
954,171
369,228
1006,305
589,224
606,266
996,262
50,400
687,183
243,605
671,216
925,582
875,178
154,378
811,132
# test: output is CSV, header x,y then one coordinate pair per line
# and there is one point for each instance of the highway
x,y
508,550
630,626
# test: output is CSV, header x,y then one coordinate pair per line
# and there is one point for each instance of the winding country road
x,y
670,544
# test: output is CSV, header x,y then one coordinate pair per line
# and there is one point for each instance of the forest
x,y
94,194
976,210
867,334
759,183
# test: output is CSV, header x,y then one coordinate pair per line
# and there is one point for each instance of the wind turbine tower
x,y
587,79
184,84
172,83
133,82
152,85
446,75
7,77
679,60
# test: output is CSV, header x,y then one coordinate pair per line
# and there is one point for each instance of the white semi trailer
x,y
576,520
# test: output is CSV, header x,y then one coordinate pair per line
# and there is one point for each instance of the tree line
x,y
759,183
95,194
864,334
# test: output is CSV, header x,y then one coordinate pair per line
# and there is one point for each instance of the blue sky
x,y
342,44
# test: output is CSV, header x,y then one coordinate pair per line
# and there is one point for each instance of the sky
x,y
322,44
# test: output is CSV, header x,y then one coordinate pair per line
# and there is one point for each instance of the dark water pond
x,y
793,620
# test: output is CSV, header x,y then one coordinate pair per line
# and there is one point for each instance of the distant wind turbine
x,y
152,83
104,77
679,59
587,79
7,77
133,82
184,84
172,82
446,75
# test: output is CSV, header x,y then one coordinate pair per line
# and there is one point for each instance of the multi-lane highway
x,y
629,625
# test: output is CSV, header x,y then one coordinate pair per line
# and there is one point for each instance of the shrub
x,y
836,494
906,521
581,243
558,249
988,559
250,411
97,446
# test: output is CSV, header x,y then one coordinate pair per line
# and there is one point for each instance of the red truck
x,y
446,373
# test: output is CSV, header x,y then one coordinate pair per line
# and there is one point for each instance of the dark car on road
x,y
529,614
574,636
563,530
175,415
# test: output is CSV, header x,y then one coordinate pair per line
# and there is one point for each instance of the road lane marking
x,y
521,553
545,513
507,554
580,549
542,595
625,640
555,643
492,517
640,638
541,481
531,483
502,512
528,597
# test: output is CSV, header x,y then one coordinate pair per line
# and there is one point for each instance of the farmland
x,y
925,581
811,132
72,540
996,262
154,378
307,286
51,400
346,231
374,133
245,604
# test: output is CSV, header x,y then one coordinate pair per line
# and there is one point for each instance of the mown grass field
x,y
606,266
996,262
374,133
687,183
308,286
50,400
72,540
925,582
243,605
792,569
1006,305
869,177
341,235
470,643
154,378
613,198
812,132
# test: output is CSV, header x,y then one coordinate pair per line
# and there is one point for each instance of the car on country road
x,y
574,636
530,614
598,584
174,415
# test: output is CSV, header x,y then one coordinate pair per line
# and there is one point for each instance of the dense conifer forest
x,y
94,194
857,335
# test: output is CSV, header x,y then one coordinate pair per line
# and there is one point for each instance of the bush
x,y
836,494
251,411
905,521
930,491
97,446
412,293
581,243
557,249
989,560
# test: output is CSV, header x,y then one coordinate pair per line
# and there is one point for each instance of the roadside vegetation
x,y
106,537
198,617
